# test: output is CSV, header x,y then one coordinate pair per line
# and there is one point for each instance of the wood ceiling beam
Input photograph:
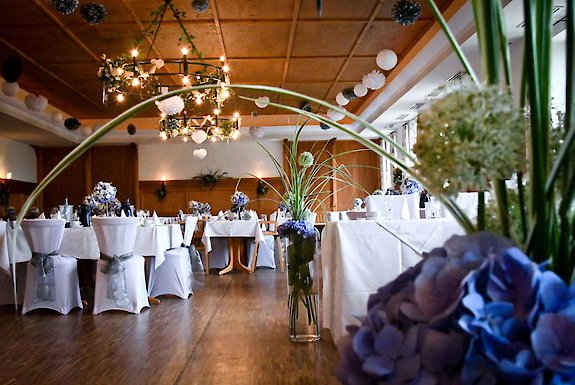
x,y
50,73
293,27
141,27
363,32
65,29
218,28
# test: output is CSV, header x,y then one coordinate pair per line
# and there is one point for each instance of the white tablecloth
x,y
81,243
23,252
360,256
239,228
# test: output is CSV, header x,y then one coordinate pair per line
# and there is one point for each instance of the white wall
x,y
19,159
176,161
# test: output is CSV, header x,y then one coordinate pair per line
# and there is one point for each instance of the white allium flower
x,y
373,80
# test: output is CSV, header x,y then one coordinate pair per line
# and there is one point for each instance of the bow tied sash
x,y
45,282
115,271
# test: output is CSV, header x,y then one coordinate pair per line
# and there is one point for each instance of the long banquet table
x,y
360,256
81,243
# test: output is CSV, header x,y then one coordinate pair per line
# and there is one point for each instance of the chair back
x,y
116,235
387,206
44,235
189,228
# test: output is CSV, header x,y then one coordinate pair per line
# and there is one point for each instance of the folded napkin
x,y
156,219
122,214
42,216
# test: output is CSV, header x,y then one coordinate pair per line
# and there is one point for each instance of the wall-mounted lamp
x,y
8,175
4,192
161,192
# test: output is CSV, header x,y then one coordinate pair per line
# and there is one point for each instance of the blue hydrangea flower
x,y
303,228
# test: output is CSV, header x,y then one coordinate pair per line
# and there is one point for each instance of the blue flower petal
x,y
363,343
552,292
388,342
378,366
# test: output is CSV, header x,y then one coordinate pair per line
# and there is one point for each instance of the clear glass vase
x,y
303,268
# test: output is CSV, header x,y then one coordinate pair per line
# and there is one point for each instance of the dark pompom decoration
x,y
11,69
131,129
65,7
304,105
324,126
405,12
200,6
72,124
349,94
93,13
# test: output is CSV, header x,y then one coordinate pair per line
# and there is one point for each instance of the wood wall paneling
x,y
115,164
180,192
19,192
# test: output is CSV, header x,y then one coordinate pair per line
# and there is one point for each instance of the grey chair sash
x,y
45,282
115,271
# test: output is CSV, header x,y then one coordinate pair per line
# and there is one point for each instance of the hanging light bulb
x,y
217,111
185,139
134,52
226,68
198,100
186,80
236,114
163,136
120,98
135,82
222,58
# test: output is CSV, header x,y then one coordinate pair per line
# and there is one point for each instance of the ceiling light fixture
x,y
131,75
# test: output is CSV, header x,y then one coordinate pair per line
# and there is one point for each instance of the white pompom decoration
x,y
335,115
256,132
200,153
56,117
373,80
199,136
86,130
262,101
341,100
360,90
35,103
386,59
10,89
171,106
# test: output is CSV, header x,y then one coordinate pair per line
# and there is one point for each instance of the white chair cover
x,y
174,275
387,206
412,202
6,284
116,236
266,253
45,236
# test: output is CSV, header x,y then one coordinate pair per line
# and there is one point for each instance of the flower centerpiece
x,y
239,201
198,208
104,197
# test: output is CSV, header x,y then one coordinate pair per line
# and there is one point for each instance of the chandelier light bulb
x,y
226,94
222,58
236,114
186,80
217,111
120,71
198,101
163,136
213,139
185,131
135,82
120,97
236,134
163,116
216,130
185,139
184,51
134,52
226,68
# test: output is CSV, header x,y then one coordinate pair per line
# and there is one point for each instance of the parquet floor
x,y
231,331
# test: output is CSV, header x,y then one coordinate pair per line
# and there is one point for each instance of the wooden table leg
x,y
235,247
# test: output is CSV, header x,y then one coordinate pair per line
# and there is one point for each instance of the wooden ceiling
x,y
275,42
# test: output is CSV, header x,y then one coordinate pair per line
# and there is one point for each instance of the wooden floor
x,y
231,331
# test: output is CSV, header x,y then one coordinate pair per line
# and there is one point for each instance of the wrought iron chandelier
x,y
130,76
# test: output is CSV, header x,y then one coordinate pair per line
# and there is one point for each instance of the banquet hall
x,y
145,238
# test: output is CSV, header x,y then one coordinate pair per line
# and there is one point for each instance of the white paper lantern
x,y
35,103
386,59
10,89
335,115
341,100
373,80
262,101
199,136
360,90
200,153
256,132
171,106
86,130
56,117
